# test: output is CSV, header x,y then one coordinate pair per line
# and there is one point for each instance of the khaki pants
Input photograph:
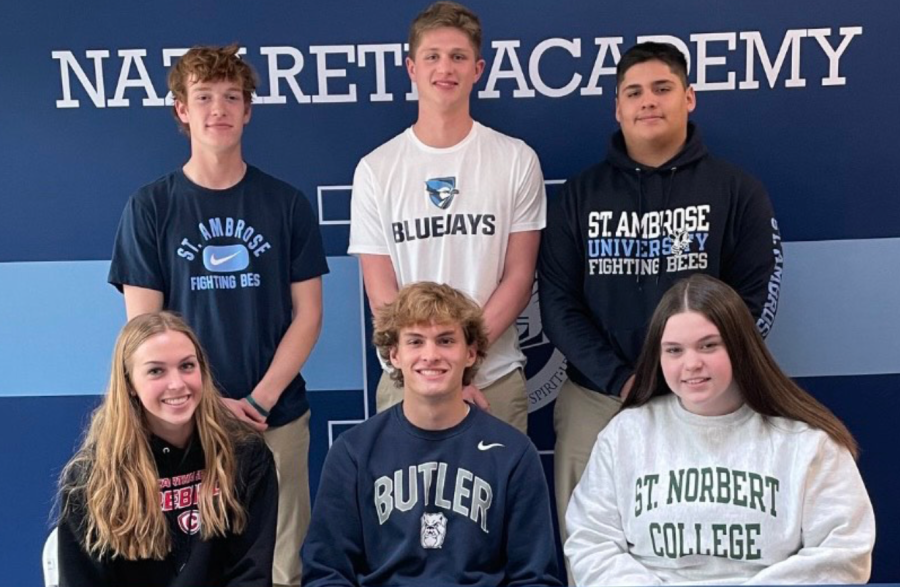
x,y
578,417
290,447
508,398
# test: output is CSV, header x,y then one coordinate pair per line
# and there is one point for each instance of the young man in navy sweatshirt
x,y
432,491
620,233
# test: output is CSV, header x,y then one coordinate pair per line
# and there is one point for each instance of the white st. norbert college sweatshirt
x,y
672,497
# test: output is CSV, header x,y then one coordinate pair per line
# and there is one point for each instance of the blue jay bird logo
x,y
441,191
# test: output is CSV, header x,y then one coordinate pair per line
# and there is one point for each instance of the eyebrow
x,y
420,335
183,359
704,339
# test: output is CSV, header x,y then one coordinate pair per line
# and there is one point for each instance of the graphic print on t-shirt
x,y
228,247
441,191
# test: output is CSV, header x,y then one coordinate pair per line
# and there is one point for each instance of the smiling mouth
x,y
431,372
695,380
176,401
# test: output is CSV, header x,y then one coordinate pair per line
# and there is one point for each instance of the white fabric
x,y
500,191
793,498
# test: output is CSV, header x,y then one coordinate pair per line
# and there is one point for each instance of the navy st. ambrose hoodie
x,y
619,234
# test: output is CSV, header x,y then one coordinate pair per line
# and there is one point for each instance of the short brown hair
x,y
666,53
445,14
209,63
429,303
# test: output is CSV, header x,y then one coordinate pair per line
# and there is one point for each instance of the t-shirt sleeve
x,y
366,233
307,252
136,255
531,196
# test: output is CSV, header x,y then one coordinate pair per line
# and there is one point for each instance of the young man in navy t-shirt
x,y
239,255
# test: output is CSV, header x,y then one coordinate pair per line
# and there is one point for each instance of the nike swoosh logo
x,y
216,262
483,446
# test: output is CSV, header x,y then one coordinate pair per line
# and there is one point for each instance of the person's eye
x,y
188,366
673,350
154,371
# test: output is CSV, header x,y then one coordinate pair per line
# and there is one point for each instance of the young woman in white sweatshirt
x,y
718,469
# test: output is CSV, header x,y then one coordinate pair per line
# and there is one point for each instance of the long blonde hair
x,y
114,476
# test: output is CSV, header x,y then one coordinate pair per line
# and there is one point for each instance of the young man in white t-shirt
x,y
452,201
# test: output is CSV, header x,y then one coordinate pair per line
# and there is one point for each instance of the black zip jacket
x,y
619,234
243,560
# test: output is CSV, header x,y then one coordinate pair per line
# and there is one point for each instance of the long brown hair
x,y
762,383
114,476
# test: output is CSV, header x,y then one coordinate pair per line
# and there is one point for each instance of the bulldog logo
x,y
434,528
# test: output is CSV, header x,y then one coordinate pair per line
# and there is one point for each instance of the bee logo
x,y
681,242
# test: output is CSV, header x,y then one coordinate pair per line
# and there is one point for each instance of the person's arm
x,y
141,300
567,320
753,263
333,553
250,553
76,567
367,239
837,526
294,348
380,280
530,549
514,290
597,548
135,269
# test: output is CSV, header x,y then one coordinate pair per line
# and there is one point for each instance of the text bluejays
x,y
471,496
449,224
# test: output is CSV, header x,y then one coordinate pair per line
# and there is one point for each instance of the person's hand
x,y
244,412
626,389
473,395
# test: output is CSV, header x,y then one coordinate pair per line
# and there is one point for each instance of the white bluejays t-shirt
x,y
445,215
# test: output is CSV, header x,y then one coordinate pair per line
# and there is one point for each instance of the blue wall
x,y
819,131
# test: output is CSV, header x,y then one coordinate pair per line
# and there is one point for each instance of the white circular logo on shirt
x,y
546,366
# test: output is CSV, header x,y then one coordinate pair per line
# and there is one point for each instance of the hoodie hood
x,y
692,151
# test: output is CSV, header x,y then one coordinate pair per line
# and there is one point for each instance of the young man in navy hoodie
x,y
620,233
238,253
432,491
